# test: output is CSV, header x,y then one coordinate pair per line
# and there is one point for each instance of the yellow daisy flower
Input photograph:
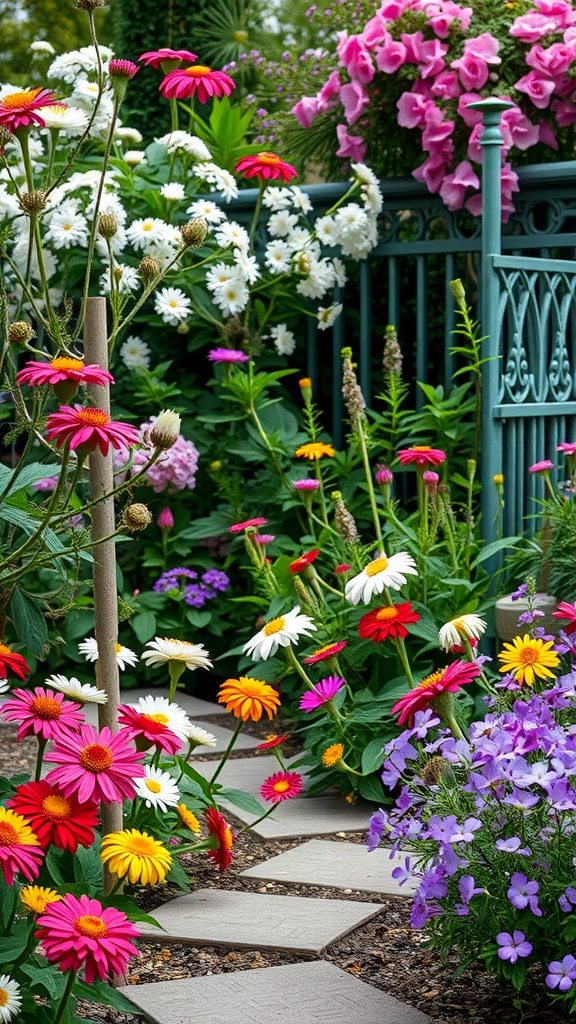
x,y
136,856
314,450
35,898
189,819
529,659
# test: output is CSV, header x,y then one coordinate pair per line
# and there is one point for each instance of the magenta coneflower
x,y
89,428
79,932
266,167
328,651
166,519
227,355
568,447
18,109
421,455
198,81
122,68
281,786
96,766
42,713
147,731
238,527
156,58
307,484
324,691
63,369
20,849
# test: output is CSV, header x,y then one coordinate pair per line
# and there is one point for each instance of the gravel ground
x,y
386,952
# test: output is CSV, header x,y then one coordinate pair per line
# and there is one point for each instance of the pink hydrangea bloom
x,y
175,469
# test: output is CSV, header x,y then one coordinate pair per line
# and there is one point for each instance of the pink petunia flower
x,y
96,766
351,146
198,81
42,713
324,691
78,932
88,429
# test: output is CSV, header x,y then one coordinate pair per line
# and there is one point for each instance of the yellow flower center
x,y
8,834
56,807
91,926
93,417
95,757
63,363
143,846
268,158
158,717
378,565
153,786
4,650
432,678
281,786
19,99
169,640
528,656
3,997
332,755
274,626
386,614
46,707
421,448
198,70
117,648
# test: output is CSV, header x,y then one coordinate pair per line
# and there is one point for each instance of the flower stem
x,y
65,997
226,753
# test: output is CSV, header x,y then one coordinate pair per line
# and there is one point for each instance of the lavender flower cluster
x,y
195,593
491,822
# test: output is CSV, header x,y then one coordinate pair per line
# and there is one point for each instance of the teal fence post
x,y
491,457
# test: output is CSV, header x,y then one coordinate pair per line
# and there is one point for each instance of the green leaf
x,y
133,913
49,978
8,900
53,862
12,945
88,866
494,548
178,876
373,756
371,789
103,994
197,618
29,623
245,801
191,773
29,475
144,625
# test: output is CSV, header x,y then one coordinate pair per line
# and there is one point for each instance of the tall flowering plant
x,y
420,65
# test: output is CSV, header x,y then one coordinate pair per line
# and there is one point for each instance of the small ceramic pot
x,y
507,612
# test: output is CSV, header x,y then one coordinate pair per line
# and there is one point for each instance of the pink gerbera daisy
x,y
281,786
328,651
238,527
79,932
324,691
42,713
64,375
227,355
18,109
147,731
541,467
266,167
444,680
89,428
20,850
568,447
199,81
96,766
157,58
421,455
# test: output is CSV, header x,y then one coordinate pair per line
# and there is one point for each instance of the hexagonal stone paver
x,y
292,819
236,919
295,994
340,865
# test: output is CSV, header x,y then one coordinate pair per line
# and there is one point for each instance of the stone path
x,y
303,992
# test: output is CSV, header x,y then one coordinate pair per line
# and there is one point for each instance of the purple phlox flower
x,y
422,911
173,579
423,722
524,775
529,617
523,893
433,884
561,795
521,799
395,763
483,659
376,826
227,355
391,774
562,973
465,833
451,861
521,592
541,634
455,751
513,845
403,874
507,682
468,888
406,800
568,899
513,946
441,829
324,691
216,579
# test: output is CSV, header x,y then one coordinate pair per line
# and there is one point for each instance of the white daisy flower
x,y
279,632
217,178
157,788
70,120
208,210
124,656
300,201
350,219
277,198
164,649
128,134
135,353
165,712
326,230
248,265
200,737
284,340
300,238
109,203
67,226
173,191
183,142
319,281
43,47
233,296
340,275
126,278
231,233
10,998
278,256
219,275
85,92
115,245
282,223
467,627
134,157
327,315
84,693
172,305
380,573
8,204
149,229
4,685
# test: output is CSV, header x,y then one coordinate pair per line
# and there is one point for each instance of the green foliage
x,y
26,21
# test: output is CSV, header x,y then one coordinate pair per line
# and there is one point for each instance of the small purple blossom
x,y
562,973
513,946
513,845
523,893
527,618
227,355
520,593
403,874
324,691
216,579
375,829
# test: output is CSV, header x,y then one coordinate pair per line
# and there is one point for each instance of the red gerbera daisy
x,y
147,731
444,680
78,932
223,838
329,651
388,621
421,455
18,109
20,850
88,429
281,786
198,80
271,741
266,167
11,662
96,766
301,563
564,610
157,58
42,713
55,818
